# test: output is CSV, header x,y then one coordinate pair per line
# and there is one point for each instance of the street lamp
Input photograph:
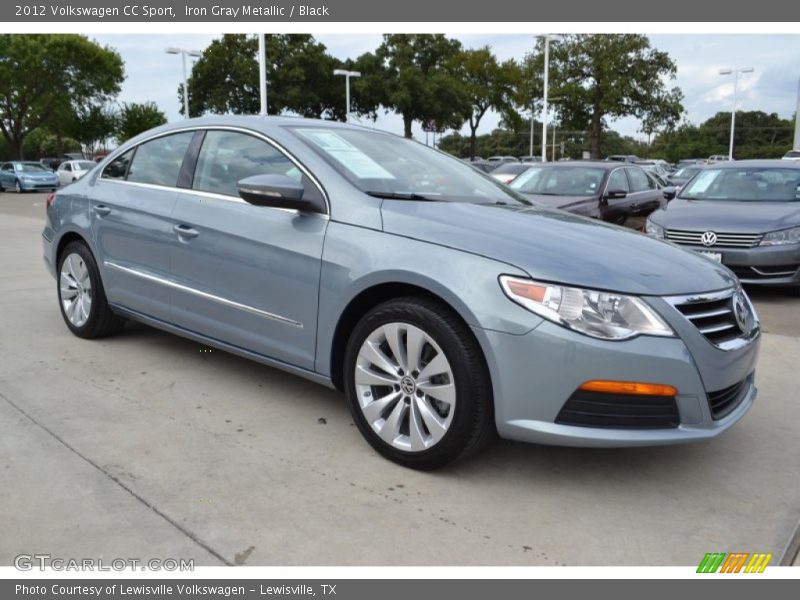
x,y
184,52
733,112
554,100
347,75
548,37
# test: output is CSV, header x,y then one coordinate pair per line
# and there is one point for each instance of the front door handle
x,y
101,209
185,231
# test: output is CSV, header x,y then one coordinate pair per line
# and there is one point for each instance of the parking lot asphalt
x,y
146,445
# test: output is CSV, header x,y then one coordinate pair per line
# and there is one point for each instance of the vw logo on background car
x,y
740,311
709,238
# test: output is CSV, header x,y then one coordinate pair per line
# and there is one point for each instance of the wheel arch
x,y
376,294
67,238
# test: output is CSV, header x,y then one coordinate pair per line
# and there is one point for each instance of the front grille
x,y
724,240
713,317
723,402
619,411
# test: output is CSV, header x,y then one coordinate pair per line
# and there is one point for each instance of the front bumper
x,y
762,265
533,375
30,186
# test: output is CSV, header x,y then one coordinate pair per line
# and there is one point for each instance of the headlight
x,y
603,315
783,237
650,228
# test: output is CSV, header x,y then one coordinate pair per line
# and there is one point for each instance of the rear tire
x,y
81,297
417,384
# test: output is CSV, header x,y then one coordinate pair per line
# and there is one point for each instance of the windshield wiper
x,y
401,196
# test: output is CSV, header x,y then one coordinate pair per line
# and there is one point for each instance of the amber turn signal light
x,y
629,387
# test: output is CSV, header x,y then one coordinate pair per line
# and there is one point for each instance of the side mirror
x,y
616,194
669,192
278,191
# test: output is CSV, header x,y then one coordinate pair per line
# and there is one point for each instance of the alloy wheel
x,y
406,387
75,290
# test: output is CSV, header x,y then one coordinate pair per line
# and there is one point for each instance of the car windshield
x,y
31,167
559,181
745,184
686,172
388,166
84,165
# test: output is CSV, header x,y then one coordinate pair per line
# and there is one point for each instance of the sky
x,y
151,74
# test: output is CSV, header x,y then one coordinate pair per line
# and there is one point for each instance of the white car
x,y
792,155
72,170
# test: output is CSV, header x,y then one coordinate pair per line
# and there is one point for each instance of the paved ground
x,y
142,446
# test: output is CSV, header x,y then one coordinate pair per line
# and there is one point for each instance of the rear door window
x,y
639,181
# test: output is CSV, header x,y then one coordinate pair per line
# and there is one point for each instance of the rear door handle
x,y
101,209
185,231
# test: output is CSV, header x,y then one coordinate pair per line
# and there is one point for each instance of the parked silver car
x,y
444,305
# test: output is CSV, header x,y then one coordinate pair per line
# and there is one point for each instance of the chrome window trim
x,y
220,300
165,188
244,130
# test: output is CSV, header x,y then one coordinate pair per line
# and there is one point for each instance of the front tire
x,y
417,384
81,296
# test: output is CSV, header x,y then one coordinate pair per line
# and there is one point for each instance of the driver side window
x,y
618,182
227,157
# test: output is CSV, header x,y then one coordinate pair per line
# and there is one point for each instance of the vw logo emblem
x,y
408,385
709,238
740,311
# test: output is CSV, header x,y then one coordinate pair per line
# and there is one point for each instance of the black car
x,y
743,214
605,190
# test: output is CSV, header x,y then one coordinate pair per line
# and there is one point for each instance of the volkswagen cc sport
x,y
444,305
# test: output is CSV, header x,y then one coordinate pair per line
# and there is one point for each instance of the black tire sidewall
x,y
98,296
473,395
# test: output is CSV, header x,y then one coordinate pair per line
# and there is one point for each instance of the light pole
x,y
733,112
347,75
184,52
553,156
262,73
548,37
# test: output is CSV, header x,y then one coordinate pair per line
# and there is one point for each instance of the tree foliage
x,y
488,84
757,135
47,77
602,77
135,118
300,78
418,73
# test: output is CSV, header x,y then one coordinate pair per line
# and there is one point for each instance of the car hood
x,y
559,201
557,246
728,217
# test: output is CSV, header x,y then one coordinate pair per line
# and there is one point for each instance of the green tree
x,y
135,118
419,77
299,75
46,77
42,142
601,77
488,84
92,125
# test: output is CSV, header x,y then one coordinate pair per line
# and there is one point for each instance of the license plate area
x,y
712,256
